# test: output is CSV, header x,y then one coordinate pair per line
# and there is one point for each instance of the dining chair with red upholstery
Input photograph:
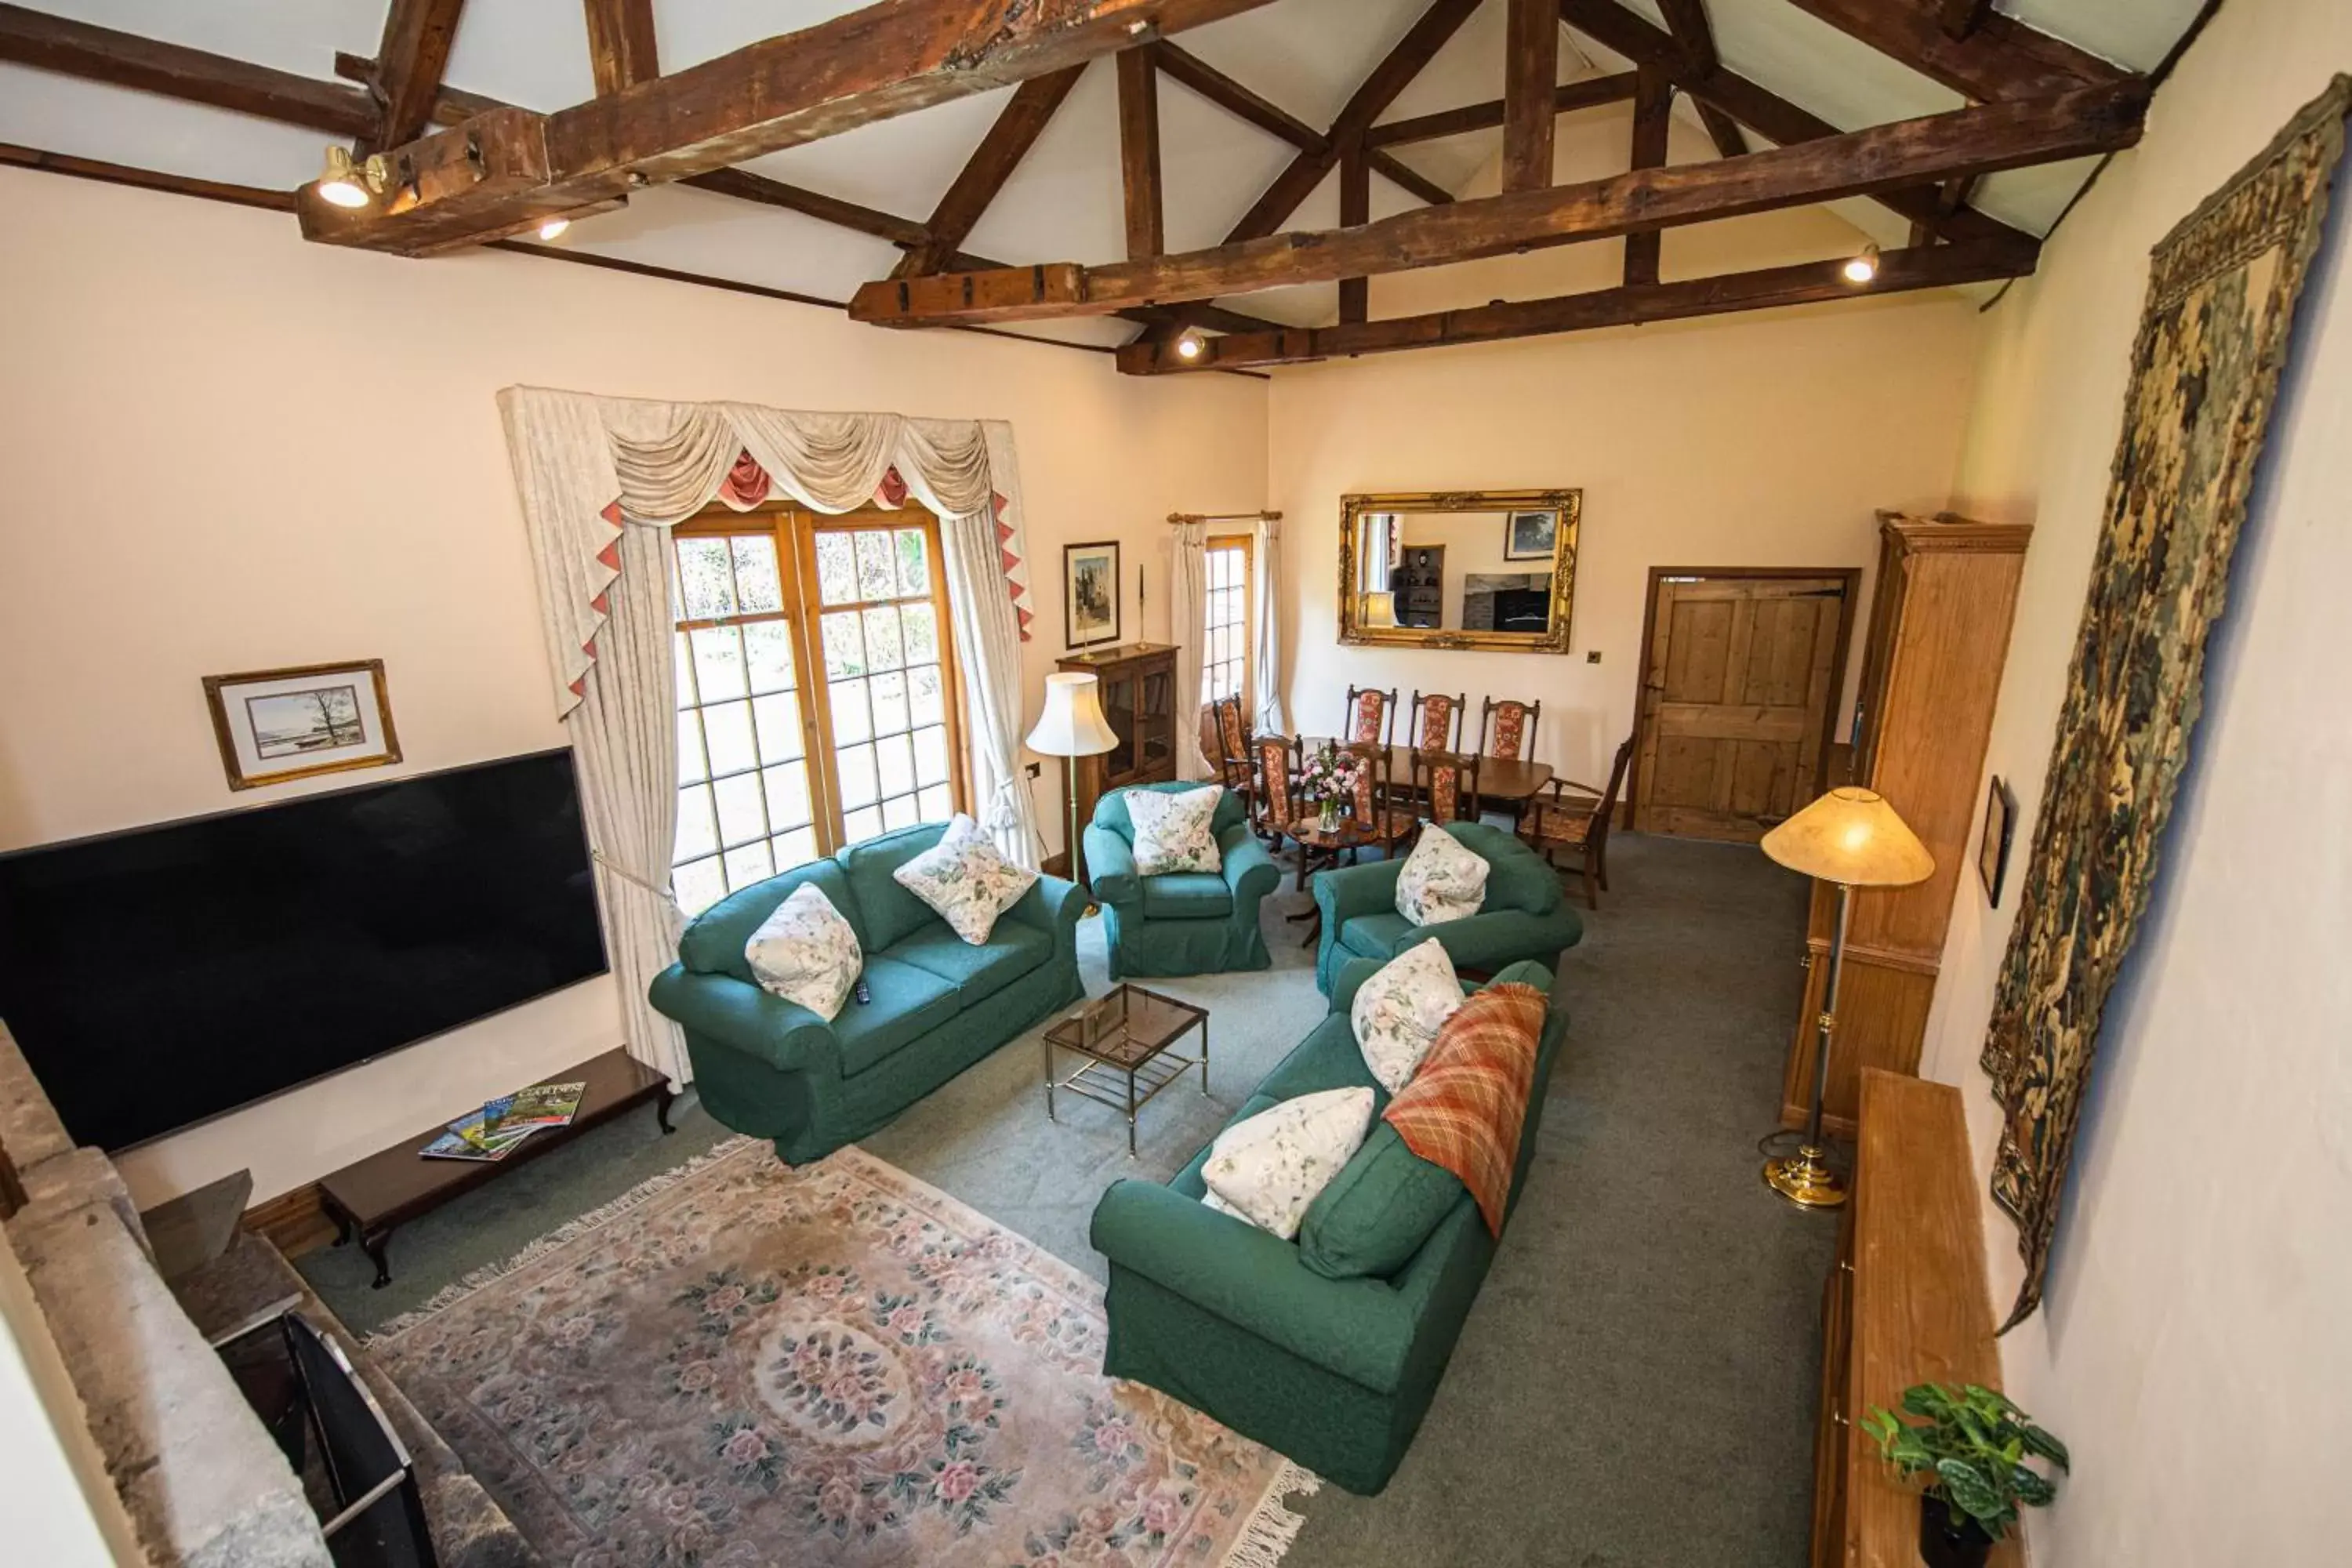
x,y
1448,781
1226,742
1371,717
1436,722
1506,729
1579,823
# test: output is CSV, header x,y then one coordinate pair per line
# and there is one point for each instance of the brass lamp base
x,y
1804,1180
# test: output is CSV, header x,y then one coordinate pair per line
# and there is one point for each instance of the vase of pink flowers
x,y
1328,778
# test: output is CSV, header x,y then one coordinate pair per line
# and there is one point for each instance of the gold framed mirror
x,y
1475,569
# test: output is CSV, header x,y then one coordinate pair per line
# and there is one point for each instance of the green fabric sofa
x,y
774,1070
1524,915
1329,1348
1185,923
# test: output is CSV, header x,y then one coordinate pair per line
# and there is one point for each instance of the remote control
x,y
864,993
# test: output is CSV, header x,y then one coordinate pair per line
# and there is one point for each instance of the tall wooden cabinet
x,y
1945,591
1139,699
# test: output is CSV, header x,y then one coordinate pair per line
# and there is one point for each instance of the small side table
x,y
1134,1029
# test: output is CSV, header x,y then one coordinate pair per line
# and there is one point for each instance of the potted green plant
x,y
1971,1447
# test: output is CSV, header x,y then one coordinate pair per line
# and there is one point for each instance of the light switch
x,y
1593,657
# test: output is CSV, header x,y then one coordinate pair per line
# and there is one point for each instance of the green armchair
x,y
1329,1348
774,1070
1184,922
1524,915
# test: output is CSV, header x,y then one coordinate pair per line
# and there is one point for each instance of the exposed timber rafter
x,y
1271,118
1962,17
1687,20
417,34
1653,107
1022,120
1974,141
1138,154
1530,75
505,171
1899,271
1590,93
621,48
1999,57
193,75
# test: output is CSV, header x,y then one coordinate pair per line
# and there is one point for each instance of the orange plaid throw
x,y
1464,1108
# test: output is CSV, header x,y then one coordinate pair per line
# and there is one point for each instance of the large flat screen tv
x,y
157,977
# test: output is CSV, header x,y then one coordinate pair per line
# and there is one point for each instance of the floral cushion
x,y
1441,880
806,953
1398,1012
1268,1169
965,880
1172,830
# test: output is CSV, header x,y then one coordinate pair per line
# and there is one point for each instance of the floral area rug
x,y
743,1364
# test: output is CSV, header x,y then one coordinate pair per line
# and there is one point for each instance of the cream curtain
x,y
602,480
1265,656
1188,610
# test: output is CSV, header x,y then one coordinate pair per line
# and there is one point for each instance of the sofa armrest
x,y
1052,904
1351,891
1349,979
1111,868
742,1017
1361,1330
1249,868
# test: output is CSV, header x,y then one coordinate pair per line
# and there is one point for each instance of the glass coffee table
x,y
1125,1036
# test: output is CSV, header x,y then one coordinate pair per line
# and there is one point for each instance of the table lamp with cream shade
x,y
1852,838
1072,726
1380,609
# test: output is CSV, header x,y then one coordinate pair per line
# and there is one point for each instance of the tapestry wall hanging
x,y
2213,340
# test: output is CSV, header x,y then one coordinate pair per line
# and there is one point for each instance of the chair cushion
x,y
1377,1212
713,943
1172,830
909,1003
805,952
1269,1168
1187,896
964,882
1376,936
890,911
1012,952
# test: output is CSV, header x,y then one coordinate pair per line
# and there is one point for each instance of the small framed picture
x,y
1992,851
1090,592
274,725
1530,535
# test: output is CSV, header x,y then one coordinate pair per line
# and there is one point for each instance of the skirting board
x,y
294,1222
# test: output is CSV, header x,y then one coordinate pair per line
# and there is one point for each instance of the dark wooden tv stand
x,y
370,1200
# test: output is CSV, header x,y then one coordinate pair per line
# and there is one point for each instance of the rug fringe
x,y
1274,1528
652,1187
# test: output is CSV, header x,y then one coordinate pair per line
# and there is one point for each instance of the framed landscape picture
x,y
2000,827
1090,592
274,725
1530,535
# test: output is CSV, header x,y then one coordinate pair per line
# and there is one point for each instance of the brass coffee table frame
x,y
1134,1051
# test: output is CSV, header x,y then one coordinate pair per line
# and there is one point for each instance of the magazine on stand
x,y
493,1131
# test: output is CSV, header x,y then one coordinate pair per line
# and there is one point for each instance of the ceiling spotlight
x,y
1862,267
1191,344
344,183
553,227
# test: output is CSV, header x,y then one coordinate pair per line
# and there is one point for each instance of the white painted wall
x,y
228,449
2192,1346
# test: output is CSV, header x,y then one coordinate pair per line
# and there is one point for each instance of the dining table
x,y
1511,780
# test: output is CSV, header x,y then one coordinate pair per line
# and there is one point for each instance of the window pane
x,y
698,830
862,824
856,764
685,660
889,694
937,804
788,794
757,586
922,629
914,563
741,809
770,646
882,649
845,645
749,865
698,885
705,585
797,848
777,719
719,663
727,728
836,568
900,811
931,754
926,703
894,762
852,720
878,571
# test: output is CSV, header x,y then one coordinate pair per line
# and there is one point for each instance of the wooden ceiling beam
x,y
1962,17
1653,107
1998,56
1355,208
1138,154
417,34
1016,129
1764,112
1973,141
505,171
1590,93
1256,109
1899,271
1530,75
1687,20
192,76
621,51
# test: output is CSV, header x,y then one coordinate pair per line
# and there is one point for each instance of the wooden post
x,y
1530,69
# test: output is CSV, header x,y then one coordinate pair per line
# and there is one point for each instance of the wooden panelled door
x,y
1740,668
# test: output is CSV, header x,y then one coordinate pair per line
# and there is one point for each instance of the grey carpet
x,y
1635,1386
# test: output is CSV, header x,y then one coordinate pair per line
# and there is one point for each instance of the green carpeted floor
x,y
1635,1386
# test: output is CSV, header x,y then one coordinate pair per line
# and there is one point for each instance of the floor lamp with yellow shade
x,y
1852,838
1073,726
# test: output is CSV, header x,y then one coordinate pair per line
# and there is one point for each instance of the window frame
x,y
1247,543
